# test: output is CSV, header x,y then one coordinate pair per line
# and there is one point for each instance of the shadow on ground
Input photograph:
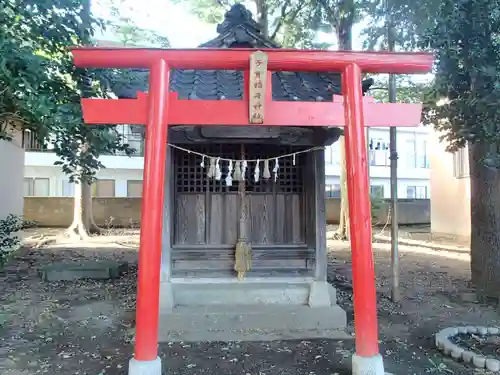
x,y
85,327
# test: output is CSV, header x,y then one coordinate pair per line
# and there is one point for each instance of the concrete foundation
x,y
144,367
367,365
266,309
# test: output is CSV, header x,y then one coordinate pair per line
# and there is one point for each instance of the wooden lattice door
x,y
207,210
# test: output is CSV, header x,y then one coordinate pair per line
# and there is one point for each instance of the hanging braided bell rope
x,y
243,251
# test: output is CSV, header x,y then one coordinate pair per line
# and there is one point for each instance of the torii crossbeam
x,y
158,109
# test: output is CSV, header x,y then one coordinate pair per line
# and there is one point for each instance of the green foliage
x,y
131,36
40,89
122,25
9,241
376,205
408,91
29,56
210,11
410,20
290,23
466,92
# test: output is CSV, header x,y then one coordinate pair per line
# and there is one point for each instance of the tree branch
x,y
330,13
281,19
288,16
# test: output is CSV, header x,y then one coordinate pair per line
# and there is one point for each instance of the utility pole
x,y
395,292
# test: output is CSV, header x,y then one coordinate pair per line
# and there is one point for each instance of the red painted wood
x,y
238,59
148,282
235,112
351,64
358,189
111,111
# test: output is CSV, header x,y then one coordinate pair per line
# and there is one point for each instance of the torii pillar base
x,y
136,367
367,365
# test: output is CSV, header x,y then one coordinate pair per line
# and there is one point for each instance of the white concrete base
x,y
144,367
367,365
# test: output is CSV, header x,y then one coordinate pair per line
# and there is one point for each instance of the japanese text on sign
x,y
257,86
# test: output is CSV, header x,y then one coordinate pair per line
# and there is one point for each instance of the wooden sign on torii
x,y
159,108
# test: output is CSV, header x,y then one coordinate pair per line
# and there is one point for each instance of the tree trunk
x,y
82,212
77,229
485,223
343,229
88,216
263,17
83,222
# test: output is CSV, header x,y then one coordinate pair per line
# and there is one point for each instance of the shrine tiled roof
x,y
239,30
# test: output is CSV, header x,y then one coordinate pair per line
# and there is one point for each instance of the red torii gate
x,y
159,107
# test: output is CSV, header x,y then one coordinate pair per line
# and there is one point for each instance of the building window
x,y
379,152
416,192
461,163
422,155
332,191
416,152
377,191
36,187
411,152
134,188
103,188
68,189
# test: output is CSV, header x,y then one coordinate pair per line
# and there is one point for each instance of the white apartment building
x,y
122,176
413,164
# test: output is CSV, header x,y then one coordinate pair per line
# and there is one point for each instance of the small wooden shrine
x,y
233,242
277,172
263,186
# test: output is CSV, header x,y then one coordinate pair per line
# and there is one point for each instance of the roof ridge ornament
x,y
239,29
238,15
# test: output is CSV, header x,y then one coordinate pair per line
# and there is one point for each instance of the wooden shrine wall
x,y
206,214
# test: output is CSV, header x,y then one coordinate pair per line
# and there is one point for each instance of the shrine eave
x,y
238,59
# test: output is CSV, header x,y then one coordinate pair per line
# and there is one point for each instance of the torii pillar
x,y
159,108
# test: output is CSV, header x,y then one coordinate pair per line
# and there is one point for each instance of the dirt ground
x,y
85,327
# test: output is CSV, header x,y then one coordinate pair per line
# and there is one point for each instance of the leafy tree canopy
x,y
408,89
410,21
33,40
40,89
119,21
466,89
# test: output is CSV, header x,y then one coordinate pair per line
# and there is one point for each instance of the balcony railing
x,y
32,143
130,135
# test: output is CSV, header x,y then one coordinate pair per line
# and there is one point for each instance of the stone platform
x,y
252,310
70,271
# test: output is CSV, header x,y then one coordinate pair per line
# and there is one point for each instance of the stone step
x,y
235,293
252,335
230,319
